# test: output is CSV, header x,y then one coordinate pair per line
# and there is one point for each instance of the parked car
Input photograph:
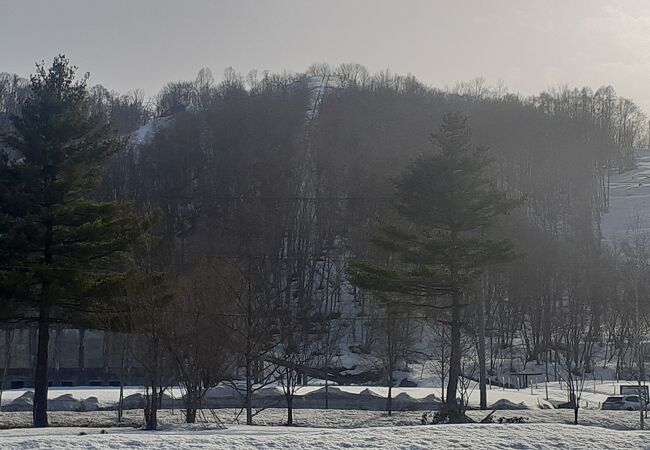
x,y
622,402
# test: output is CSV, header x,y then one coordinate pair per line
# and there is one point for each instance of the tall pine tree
x,y
64,253
448,199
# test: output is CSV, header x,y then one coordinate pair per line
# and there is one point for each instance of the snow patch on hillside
x,y
629,200
318,87
146,133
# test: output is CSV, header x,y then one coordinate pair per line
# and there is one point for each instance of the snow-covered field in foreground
x,y
321,418
526,436
545,428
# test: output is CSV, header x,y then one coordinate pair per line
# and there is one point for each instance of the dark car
x,y
620,402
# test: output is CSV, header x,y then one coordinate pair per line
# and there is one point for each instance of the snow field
x,y
594,393
526,436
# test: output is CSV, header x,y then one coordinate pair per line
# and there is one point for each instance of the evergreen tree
x,y
64,253
448,199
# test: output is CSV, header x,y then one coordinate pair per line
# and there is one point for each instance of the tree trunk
x,y
41,379
481,352
191,404
9,338
190,414
454,357
151,408
249,394
327,390
289,409
151,419
575,414
443,377
389,401
120,403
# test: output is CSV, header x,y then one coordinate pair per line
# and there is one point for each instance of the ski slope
x,y
629,200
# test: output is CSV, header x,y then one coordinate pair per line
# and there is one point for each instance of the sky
x,y
530,45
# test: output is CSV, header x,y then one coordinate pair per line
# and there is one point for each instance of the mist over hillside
x,y
265,193
342,224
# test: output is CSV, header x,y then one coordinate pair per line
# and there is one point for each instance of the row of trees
x,y
266,187
559,161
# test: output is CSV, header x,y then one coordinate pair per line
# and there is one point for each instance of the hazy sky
x,y
529,44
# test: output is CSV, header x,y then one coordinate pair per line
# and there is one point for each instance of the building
x,y
77,357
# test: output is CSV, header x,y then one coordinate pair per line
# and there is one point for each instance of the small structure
x,y
632,389
524,374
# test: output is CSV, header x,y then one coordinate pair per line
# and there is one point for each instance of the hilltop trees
x,y
62,250
448,199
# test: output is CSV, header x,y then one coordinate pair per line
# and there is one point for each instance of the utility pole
x,y
327,364
639,360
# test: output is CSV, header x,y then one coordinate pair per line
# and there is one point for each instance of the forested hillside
x,y
268,185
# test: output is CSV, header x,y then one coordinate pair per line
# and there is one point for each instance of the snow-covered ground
x,y
319,418
629,199
594,393
108,395
325,429
533,406
524,436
